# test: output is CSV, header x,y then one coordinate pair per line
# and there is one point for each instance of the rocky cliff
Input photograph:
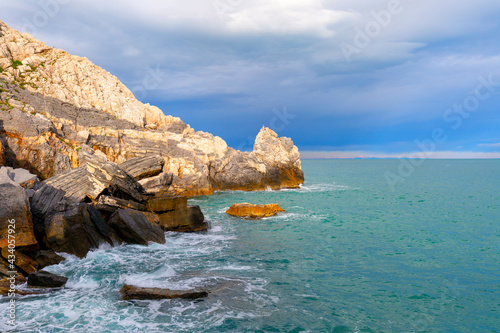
x,y
53,104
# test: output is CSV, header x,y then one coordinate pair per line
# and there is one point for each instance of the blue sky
x,y
341,78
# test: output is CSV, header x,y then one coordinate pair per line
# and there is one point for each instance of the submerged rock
x,y
43,279
251,211
132,292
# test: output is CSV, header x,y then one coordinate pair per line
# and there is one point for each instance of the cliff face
x,y
53,104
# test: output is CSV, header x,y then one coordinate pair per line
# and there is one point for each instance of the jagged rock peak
x,y
75,80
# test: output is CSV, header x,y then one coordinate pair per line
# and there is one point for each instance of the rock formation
x,y
53,104
251,211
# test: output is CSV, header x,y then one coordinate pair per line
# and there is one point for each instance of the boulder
x,y
43,279
137,227
164,202
77,229
46,258
15,208
19,176
251,211
111,204
143,167
184,219
21,261
158,183
132,292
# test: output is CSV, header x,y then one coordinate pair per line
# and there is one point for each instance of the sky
x,y
358,78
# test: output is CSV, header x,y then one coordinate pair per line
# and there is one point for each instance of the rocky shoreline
x,y
84,163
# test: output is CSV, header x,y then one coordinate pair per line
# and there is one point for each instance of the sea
x,y
364,246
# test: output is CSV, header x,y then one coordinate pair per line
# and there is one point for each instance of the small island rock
x,y
251,211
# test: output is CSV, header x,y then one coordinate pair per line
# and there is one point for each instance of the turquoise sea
x,y
349,255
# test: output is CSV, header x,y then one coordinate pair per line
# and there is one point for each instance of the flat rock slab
x,y
143,167
132,292
251,211
46,258
43,279
22,261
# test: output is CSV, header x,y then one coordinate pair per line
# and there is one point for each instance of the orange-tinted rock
x,y
15,208
251,211
22,261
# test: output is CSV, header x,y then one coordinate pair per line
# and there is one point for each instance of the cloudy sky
x,y
341,78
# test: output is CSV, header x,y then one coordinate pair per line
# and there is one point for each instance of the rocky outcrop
x,y
137,227
175,215
251,211
132,292
15,215
46,258
43,279
74,80
53,104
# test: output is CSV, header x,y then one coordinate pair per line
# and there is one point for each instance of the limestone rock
x,y
158,183
74,80
43,279
165,202
19,176
132,292
143,167
137,227
184,219
15,207
251,211
54,104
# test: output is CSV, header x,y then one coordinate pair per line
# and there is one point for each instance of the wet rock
x,y
137,227
132,292
184,219
143,167
21,261
43,279
76,230
15,208
46,258
251,211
